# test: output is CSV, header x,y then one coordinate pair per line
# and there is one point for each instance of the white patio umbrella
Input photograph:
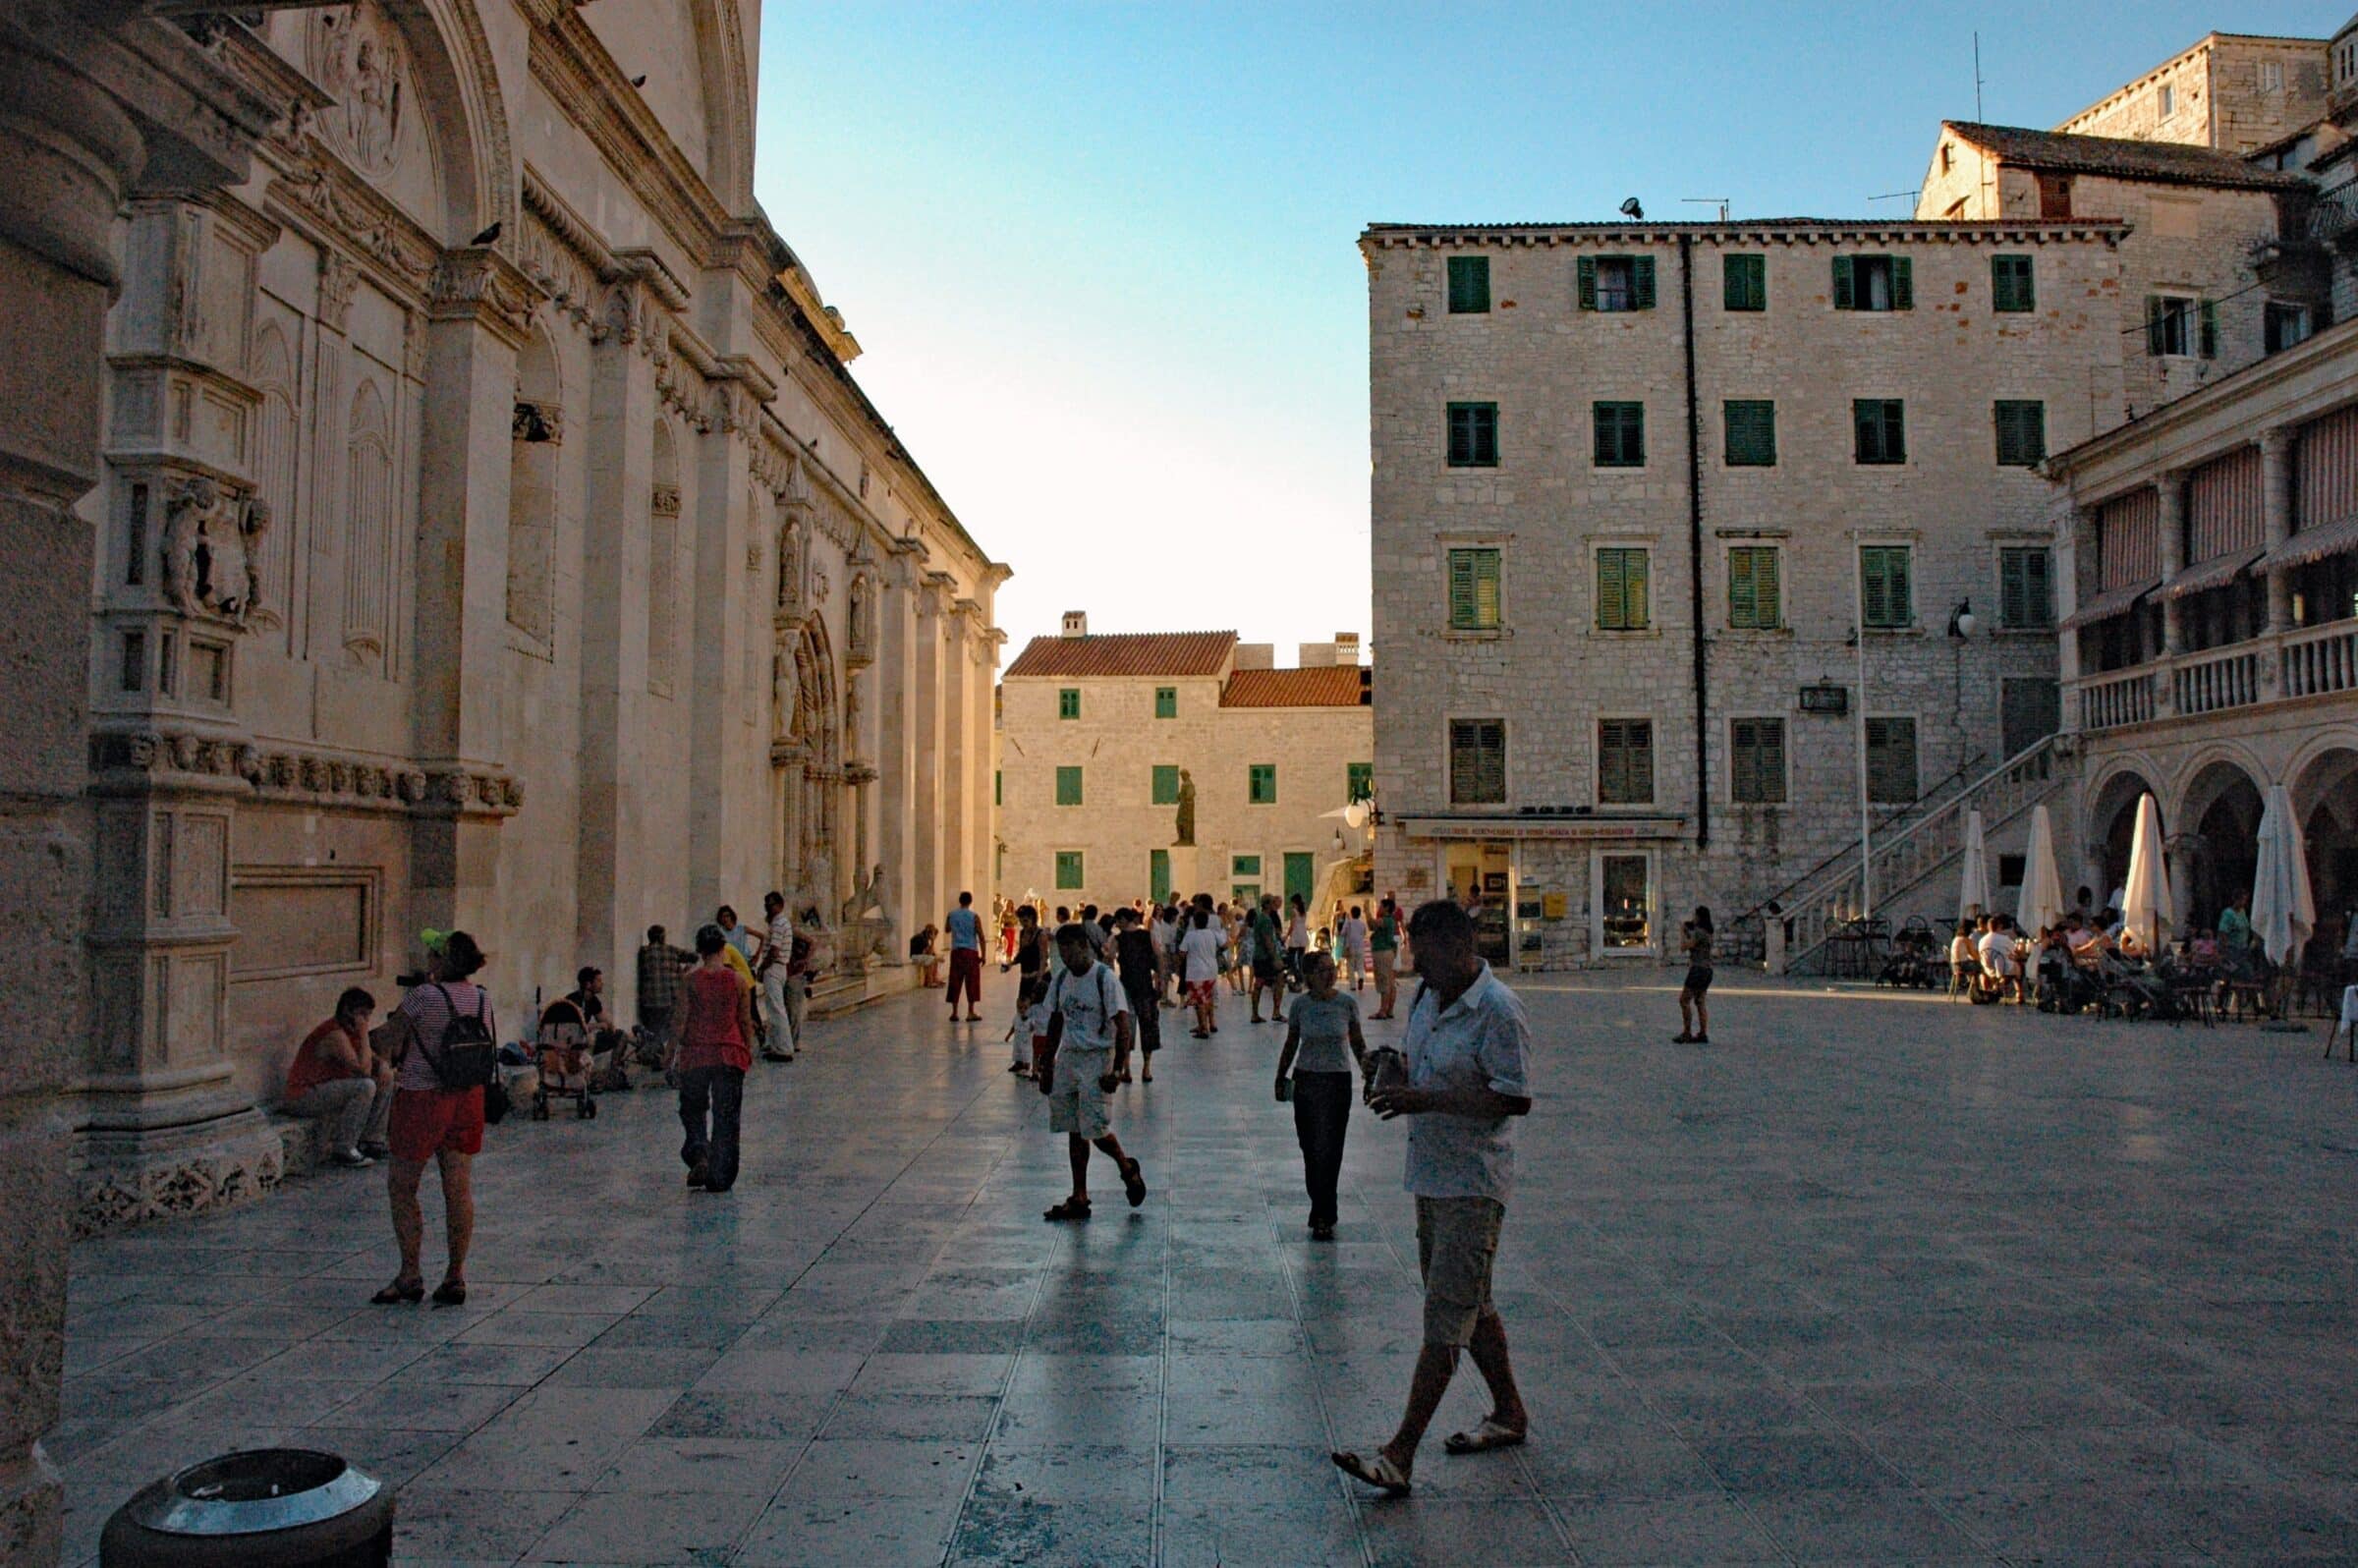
x,y
2145,910
2041,904
1973,884
2283,909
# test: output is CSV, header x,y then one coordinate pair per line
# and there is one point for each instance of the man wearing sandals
x,y
1089,1034
1467,1046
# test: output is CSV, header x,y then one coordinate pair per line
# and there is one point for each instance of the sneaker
x,y
697,1175
376,1151
350,1159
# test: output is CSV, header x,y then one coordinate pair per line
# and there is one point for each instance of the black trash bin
x,y
259,1509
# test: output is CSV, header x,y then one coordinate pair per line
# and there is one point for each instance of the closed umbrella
x,y
1973,887
2147,913
2042,901
2284,911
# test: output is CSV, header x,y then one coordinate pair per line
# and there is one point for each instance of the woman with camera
x,y
1694,1011
444,1035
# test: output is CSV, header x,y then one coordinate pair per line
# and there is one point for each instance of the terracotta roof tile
x,y
1180,653
2121,157
1336,686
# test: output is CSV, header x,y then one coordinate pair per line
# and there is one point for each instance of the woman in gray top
x,y
1323,1041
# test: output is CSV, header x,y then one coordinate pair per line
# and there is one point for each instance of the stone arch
x,y
727,84
2112,819
812,780
2323,781
664,562
2218,828
537,428
277,456
479,177
370,499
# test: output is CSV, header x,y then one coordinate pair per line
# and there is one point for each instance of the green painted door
x,y
1158,874
1300,868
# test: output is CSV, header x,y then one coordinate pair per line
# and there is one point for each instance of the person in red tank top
x,y
712,1053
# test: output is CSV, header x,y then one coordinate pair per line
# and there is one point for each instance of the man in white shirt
x,y
778,1023
1089,1035
1199,961
1998,957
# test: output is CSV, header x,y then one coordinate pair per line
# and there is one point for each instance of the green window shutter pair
x,y
1166,701
1629,281
1068,871
1891,760
1854,281
1472,436
1753,588
1744,282
1756,774
1068,703
1880,426
1158,874
1641,282
1473,591
1359,781
2168,329
1751,433
1622,589
1469,285
1260,784
1166,784
1068,786
1477,761
2021,431
1620,435
2011,291
1625,761
1884,572
2026,590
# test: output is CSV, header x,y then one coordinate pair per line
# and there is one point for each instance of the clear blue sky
x,y
1101,255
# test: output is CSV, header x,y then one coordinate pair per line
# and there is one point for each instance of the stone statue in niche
x,y
867,919
213,547
859,619
785,694
1184,829
357,57
790,569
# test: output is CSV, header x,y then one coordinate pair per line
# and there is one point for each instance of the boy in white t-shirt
x,y
1089,1038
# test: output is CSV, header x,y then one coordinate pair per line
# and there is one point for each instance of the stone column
x,y
2172,484
2186,852
958,667
982,655
89,99
925,791
2275,500
2075,561
895,757
729,640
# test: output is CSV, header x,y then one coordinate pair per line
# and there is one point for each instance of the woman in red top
x,y
336,1075
716,1023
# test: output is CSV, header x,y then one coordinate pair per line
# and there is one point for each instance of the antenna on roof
x,y
1977,78
1705,202
1631,209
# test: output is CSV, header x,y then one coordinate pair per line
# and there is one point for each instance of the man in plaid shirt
x,y
660,967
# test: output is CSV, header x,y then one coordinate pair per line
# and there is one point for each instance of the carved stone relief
x,y
212,541
358,58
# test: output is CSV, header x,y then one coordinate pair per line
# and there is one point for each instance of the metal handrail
x,y
2332,211
1893,814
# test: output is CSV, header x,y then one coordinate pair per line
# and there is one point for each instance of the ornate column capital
x,y
476,283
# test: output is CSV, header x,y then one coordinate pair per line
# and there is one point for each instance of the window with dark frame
x,y
1620,435
1469,285
2180,327
1874,282
2282,324
1625,761
1473,590
1477,761
1624,591
2011,288
1891,760
1886,585
1751,433
1166,701
1359,781
1068,703
1756,764
1472,436
1744,282
1754,589
1260,784
2026,596
1068,871
1616,282
1880,431
2021,424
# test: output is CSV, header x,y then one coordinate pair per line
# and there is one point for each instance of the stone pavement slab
x,y
1873,1278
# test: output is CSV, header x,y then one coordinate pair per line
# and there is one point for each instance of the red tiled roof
x,y
1336,686
2121,157
1124,653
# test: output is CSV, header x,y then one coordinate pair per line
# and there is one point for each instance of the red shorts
x,y
1199,993
427,1121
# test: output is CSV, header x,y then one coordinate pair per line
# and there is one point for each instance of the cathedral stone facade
x,y
488,535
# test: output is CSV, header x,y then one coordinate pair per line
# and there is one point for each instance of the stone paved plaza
x,y
1874,1280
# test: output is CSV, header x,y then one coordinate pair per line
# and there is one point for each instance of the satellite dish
x,y
1631,209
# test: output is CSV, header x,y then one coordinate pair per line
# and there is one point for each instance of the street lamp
x,y
1962,622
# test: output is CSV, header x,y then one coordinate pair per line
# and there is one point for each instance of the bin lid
x,y
254,1491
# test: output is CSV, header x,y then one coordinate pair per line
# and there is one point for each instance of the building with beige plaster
x,y
1102,736
2235,92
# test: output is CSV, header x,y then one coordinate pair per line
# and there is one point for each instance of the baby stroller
x,y
567,1065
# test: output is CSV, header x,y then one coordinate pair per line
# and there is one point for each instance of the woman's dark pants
x,y
1322,1114
714,1094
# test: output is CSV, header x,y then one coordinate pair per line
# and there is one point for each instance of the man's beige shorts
x,y
1456,1239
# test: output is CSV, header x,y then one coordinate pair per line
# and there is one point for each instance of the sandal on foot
x,y
399,1294
1134,1182
451,1293
1380,1472
1070,1209
1482,1438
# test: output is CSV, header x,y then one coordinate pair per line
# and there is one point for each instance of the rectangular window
x,y
1874,282
135,554
1469,285
2021,433
1068,871
1166,701
2282,326
1158,874
2165,99
1068,703
1623,598
135,662
1616,281
998,787
1885,585
2011,290
1473,591
2026,596
1620,439
1625,761
1359,781
2179,325
1477,761
1755,761
1068,786
1880,427
2272,76
1472,436
1166,784
1744,282
1260,784
1244,865
2054,196
1751,433
1891,760
1755,592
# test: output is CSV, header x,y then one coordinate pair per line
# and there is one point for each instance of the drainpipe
x,y
1703,736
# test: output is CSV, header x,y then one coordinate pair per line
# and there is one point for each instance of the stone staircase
x,y
846,991
1907,855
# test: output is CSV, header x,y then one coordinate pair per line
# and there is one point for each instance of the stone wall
x,y
2222,95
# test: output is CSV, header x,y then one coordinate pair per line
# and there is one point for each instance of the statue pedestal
x,y
1187,873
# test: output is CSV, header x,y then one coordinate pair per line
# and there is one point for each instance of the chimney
x,y
1346,647
1076,623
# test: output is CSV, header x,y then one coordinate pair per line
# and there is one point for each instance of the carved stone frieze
x,y
338,278
212,1176
341,207
187,759
666,501
476,283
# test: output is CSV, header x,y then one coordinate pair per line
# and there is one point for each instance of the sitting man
x,y
336,1075
2000,964
924,952
585,1007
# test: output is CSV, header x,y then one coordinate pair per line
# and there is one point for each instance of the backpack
x,y
468,1057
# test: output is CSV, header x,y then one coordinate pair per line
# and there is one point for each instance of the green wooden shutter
x,y
1461,591
1767,587
2011,287
1586,270
1641,282
1486,608
2155,324
1636,586
1752,587
1359,781
1903,282
1469,285
1751,434
2209,328
1608,589
1166,701
1874,591
1621,590
1158,874
1845,286
1166,784
1743,283
2037,593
